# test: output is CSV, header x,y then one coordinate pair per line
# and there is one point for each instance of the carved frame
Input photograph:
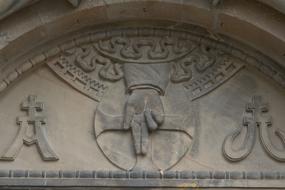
x,y
122,179
190,179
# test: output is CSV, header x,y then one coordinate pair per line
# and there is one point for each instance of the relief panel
x,y
148,103
158,73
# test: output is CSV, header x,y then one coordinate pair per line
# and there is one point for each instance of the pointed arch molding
x,y
46,21
262,28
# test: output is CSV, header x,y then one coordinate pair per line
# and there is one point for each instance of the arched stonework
x,y
138,103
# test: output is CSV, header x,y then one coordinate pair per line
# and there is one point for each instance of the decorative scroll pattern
x,y
32,107
78,77
210,78
250,57
256,117
199,68
144,49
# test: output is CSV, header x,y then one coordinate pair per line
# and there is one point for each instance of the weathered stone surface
x,y
185,148
143,104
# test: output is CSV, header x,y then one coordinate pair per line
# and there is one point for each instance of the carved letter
x,y
32,107
258,118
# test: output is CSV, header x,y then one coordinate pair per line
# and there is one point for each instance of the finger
x,y
144,140
128,116
136,134
157,110
152,125
158,116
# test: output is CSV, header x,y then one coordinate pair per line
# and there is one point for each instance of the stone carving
x,y
39,137
78,74
264,64
150,179
256,116
146,176
211,78
144,50
149,110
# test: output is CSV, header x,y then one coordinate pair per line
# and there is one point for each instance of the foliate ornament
x,y
198,61
85,60
256,118
144,49
39,137
143,84
209,70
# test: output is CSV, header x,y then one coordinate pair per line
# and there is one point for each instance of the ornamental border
x,y
191,179
120,174
264,64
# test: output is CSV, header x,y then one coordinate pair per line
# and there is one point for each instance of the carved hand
x,y
146,102
143,113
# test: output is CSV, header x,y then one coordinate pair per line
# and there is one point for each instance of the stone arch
x,y
254,40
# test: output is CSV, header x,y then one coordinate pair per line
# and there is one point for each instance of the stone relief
x,y
256,118
155,80
145,86
39,136
76,72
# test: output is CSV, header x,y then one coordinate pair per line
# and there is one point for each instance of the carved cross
x,y
258,109
31,106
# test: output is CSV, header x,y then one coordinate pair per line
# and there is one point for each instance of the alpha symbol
x,y
38,122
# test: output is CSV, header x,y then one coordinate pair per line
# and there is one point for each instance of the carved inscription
x,y
78,76
256,118
39,137
211,78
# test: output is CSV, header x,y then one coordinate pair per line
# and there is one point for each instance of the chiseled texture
x,y
144,128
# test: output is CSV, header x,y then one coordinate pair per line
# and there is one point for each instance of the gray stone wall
x,y
159,94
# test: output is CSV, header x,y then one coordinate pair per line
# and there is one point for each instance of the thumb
x,y
151,123
158,115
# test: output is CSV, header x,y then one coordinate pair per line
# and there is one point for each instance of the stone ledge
x,y
12,179
178,175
